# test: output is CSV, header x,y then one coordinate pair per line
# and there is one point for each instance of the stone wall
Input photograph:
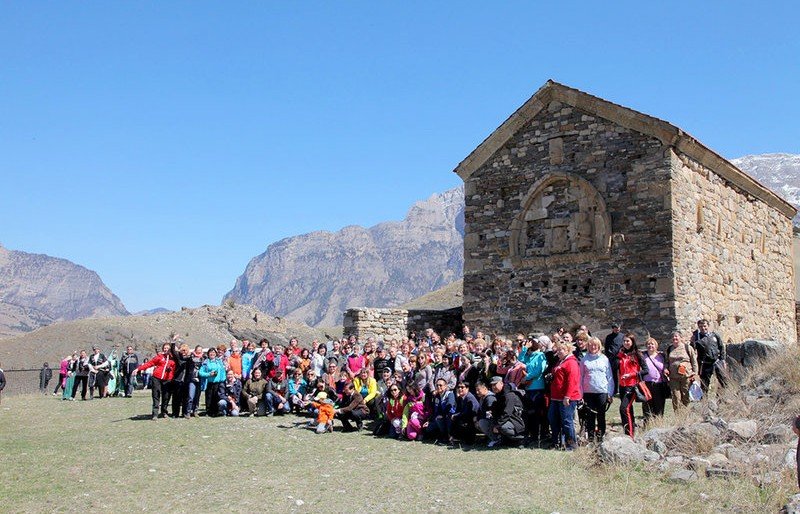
x,y
797,318
397,323
569,222
732,258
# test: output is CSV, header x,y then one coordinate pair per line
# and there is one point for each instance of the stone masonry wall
x,y
398,323
569,222
732,258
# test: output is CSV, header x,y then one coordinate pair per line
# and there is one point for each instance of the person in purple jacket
x,y
656,381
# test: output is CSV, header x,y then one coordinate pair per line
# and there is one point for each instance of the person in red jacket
x,y
565,393
164,365
631,369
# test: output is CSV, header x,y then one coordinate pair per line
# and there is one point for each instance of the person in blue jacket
x,y
213,371
535,404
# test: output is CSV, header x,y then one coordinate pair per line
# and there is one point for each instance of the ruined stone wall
x,y
569,222
732,258
398,323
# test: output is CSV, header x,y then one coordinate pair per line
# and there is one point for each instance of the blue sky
x,y
165,144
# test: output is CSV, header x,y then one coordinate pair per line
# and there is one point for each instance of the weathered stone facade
x,y
583,211
398,323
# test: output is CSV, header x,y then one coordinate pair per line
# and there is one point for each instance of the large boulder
x,y
749,353
624,450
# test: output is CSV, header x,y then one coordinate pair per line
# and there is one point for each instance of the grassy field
x,y
105,455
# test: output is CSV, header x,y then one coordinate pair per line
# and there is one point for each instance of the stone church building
x,y
579,210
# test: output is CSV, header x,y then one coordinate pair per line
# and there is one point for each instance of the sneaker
x,y
492,444
154,417
187,416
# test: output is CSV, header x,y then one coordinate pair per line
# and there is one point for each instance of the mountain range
x,y
315,277
311,277
37,290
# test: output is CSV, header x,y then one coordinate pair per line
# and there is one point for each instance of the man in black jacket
x,y
128,363
45,374
507,413
711,355
612,346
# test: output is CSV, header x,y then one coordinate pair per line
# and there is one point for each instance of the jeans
x,y
191,398
128,382
272,401
562,423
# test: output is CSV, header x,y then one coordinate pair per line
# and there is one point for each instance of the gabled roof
x,y
668,134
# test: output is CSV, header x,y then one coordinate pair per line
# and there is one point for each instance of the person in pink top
x,y
63,371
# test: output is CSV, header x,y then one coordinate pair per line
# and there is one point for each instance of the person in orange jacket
x,y
325,412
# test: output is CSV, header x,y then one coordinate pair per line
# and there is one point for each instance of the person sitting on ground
x,y
230,394
323,406
395,405
296,390
367,387
415,414
276,397
462,422
253,391
335,379
444,405
353,409
508,423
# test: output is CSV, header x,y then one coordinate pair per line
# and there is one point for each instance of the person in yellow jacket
x,y
365,384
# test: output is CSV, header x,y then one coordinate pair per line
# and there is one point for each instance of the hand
x,y
565,401
610,400
495,430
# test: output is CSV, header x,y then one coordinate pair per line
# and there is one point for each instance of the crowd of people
x,y
454,389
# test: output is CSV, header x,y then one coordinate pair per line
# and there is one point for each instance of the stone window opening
x,y
545,284
564,286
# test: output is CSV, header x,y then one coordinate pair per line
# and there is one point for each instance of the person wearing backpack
x,y
710,355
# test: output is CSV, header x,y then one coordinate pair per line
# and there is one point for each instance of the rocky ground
x,y
741,433
205,325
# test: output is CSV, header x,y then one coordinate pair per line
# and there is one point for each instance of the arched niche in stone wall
x,y
563,220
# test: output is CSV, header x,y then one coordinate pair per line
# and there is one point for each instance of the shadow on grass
x,y
138,417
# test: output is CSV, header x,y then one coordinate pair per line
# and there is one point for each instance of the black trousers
x,y
707,369
537,421
129,383
463,430
627,395
62,379
355,415
212,398
83,380
595,412
180,391
162,392
655,407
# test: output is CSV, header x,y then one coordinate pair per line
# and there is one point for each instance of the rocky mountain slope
x,y
37,290
207,325
315,277
778,171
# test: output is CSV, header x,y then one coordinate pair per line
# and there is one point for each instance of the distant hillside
x,y
778,171
315,277
207,325
448,297
36,290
